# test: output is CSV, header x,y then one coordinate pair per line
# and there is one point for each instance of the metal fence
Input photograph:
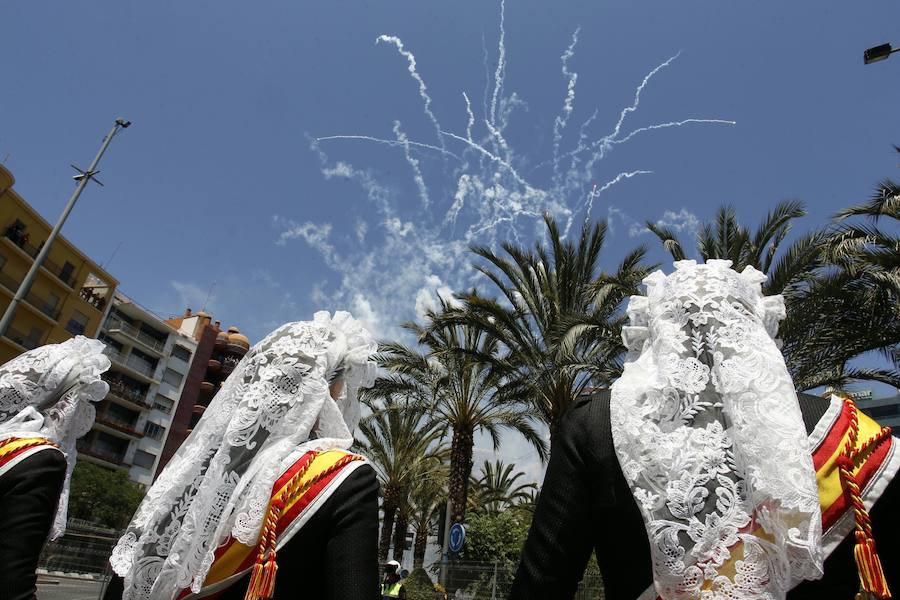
x,y
84,548
493,581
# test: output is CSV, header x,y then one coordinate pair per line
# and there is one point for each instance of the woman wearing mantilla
x,y
264,500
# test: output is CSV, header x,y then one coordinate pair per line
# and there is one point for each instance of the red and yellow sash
x,y
14,449
307,483
855,458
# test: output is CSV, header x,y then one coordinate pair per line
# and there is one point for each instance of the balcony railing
x,y
95,300
20,239
119,425
101,453
128,392
29,343
9,282
131,361
134,332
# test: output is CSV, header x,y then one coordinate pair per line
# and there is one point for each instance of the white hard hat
x,y
392,563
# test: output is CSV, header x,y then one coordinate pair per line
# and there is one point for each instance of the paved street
x,y
67,589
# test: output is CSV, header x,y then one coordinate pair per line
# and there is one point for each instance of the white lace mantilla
x,y
271,410
710,437
48,392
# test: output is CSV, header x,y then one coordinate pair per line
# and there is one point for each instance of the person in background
x,y
46,397
701,469
263,500
392,584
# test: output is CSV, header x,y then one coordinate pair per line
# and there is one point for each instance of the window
x,y
173,378
143,459
65,273
154,431
77,323
34,338
181,353
163,404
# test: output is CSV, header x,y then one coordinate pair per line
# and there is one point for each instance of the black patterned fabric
x,y
29,493
586,505
334,556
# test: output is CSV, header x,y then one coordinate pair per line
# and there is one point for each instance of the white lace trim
x,y
48,392
710,437
271,410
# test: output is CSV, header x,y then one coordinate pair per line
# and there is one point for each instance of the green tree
x,y
103,496
839,285
403,444
455,380
558,317
497,538
429,495
498,488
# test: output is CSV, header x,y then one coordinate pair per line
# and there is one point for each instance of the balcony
x,y
131,362
31,299
105,456
229,363
116,325
24,341
115,425
128,392
20,239
95,300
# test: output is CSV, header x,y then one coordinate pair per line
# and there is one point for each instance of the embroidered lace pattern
x,y
48,392
271,410
710,437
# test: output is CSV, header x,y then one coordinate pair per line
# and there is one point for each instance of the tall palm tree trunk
x,y
387,525
419,545
460,469
400,534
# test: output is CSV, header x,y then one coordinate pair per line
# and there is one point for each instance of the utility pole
x,y
82,178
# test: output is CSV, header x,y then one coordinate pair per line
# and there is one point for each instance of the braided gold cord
x,y
872,582
262,580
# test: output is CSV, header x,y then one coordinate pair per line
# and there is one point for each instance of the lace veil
x,y
708,430
271,410
47,392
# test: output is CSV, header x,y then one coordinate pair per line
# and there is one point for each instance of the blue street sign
x,y
457,537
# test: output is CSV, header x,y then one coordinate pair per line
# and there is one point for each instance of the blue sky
x,y
220,179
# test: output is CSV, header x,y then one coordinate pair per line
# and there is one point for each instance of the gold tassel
x,y
872,582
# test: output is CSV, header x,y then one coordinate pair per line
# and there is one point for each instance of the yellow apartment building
x,y
70,295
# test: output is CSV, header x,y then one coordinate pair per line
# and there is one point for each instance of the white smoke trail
x,y
414,164
559,124
501,63
471,122
672,124
595,191
414,73
369,138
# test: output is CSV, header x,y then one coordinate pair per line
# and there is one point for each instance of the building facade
x,y
218,352
884,410
70,294
150,363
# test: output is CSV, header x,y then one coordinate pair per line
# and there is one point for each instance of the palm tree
x,y
559,316
454,379
498,488
837,309
428,496
403,444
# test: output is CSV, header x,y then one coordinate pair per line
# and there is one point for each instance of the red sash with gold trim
x,y
855,458
13,450
295,497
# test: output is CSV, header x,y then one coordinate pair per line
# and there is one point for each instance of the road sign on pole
x,y
457,537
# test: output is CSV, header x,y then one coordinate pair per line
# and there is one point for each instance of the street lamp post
x,y
82,178
878,53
